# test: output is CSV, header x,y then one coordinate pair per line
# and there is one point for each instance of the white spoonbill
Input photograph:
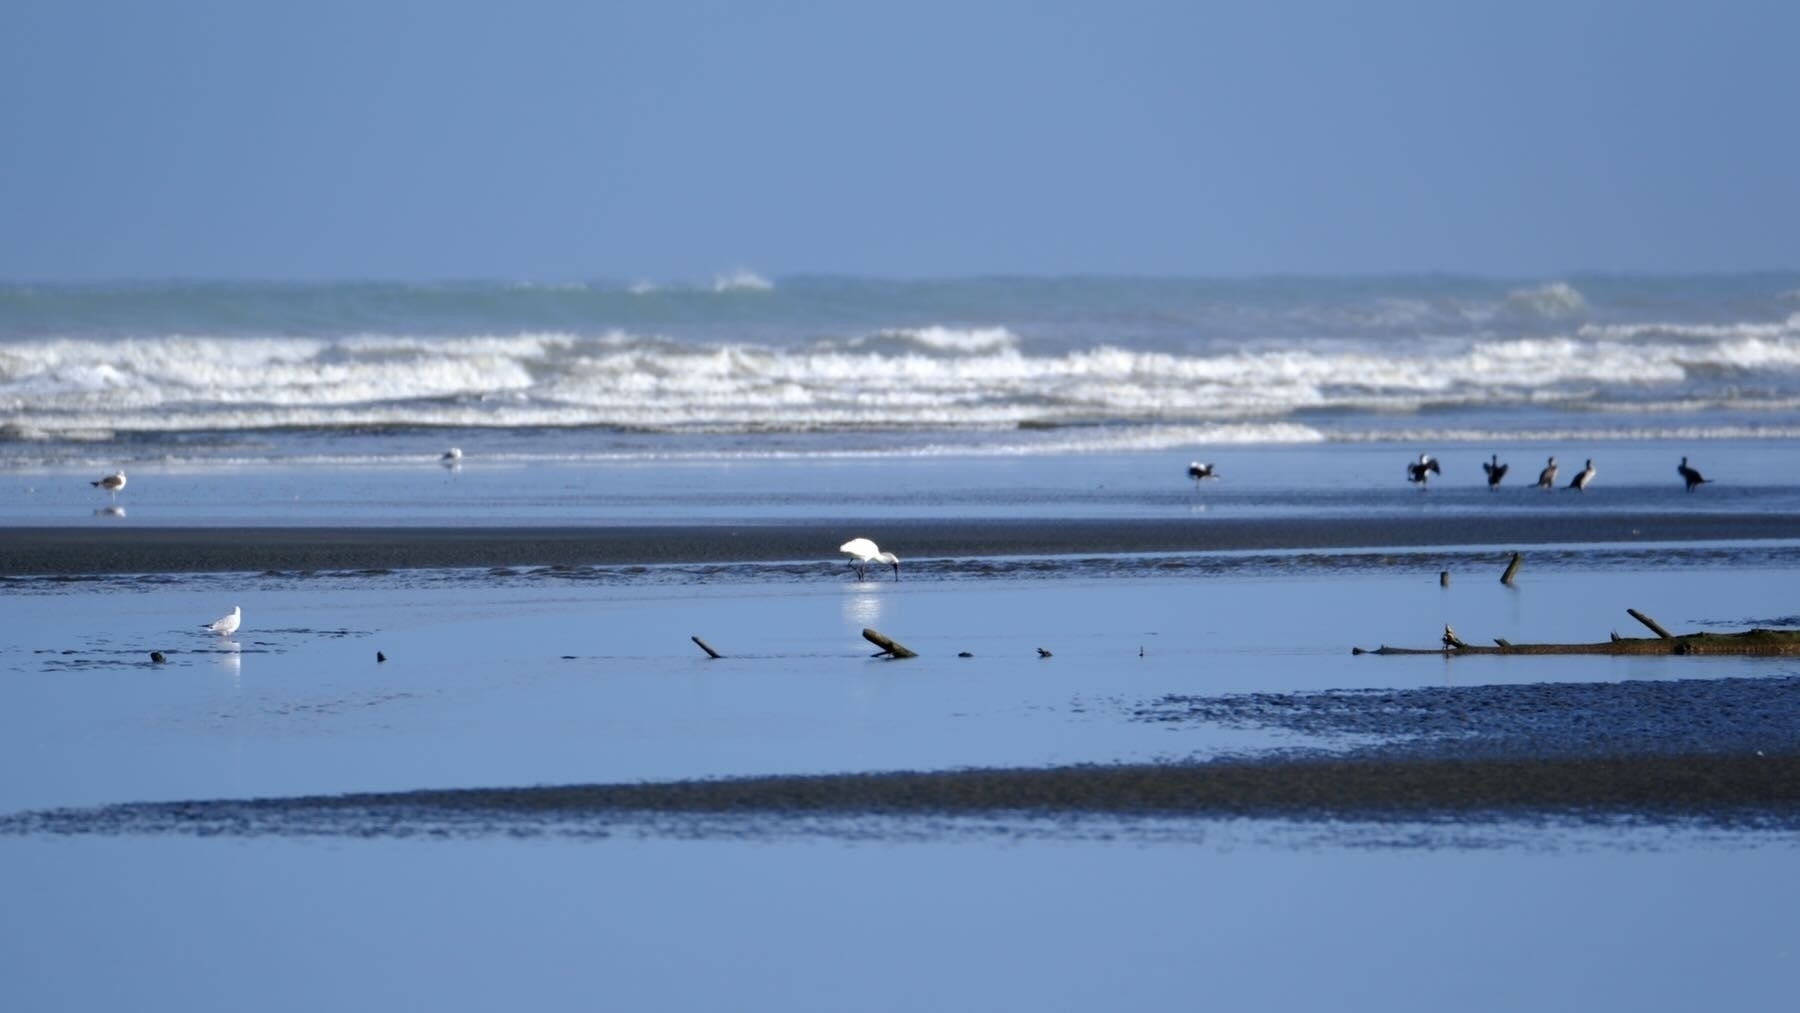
x,y
865,552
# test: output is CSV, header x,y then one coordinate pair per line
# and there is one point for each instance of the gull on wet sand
x,y
1198,471
451,458
111,483
227,624
863,552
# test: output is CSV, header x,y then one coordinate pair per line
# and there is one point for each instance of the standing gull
x,y
227,624
111,483
1690,475
451,458
866,552
1495,471
1586,475
1422,469
1547,477
1198,471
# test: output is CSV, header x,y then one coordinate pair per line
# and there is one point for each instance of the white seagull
x,y
451,458
1584,477
111,483
1198,471
866,552
226,625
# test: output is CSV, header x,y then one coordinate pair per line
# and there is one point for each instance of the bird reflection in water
x,y
231,659
862,609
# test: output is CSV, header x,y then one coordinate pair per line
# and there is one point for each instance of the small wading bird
x,y
1495,471
227,624
1422,469
111,483
1582,479
1198,471
451,458
865,552
1547,477
1689,475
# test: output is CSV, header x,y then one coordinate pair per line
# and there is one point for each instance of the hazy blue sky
x,y
674,140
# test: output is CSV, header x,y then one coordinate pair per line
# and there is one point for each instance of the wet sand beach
x,y
95,550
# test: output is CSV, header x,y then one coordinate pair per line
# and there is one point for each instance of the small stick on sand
x,y
889,647
1511,568
1647,621
704,646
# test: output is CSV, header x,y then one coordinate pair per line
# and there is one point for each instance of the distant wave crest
x,y
1556,300
742,280
937,341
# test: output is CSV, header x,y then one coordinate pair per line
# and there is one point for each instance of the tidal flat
x,y
388,764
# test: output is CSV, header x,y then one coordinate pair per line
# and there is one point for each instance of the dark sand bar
x,y
1749,790
1722,752
90,550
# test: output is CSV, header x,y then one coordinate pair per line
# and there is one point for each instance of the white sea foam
x,y
548,286
742,280
1555,300
951,340
936,377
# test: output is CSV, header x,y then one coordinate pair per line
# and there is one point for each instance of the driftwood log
x,y
1512,569
1746,642
889,646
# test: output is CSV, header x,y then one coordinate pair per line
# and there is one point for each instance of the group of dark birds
x,y
1420,471
1426,466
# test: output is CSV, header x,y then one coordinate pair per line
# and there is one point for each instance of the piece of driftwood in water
x,y
1512,568
1654,626
888,645
704,646
1747,642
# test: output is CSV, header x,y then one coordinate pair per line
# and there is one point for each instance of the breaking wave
x,y
1013,364
934,377
1555,300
